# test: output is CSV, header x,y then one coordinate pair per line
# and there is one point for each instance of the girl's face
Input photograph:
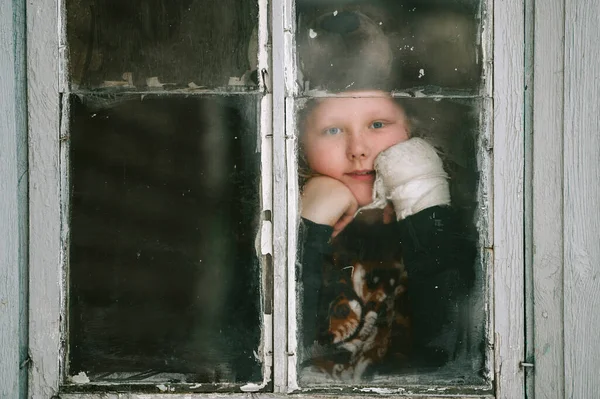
x,y
343,136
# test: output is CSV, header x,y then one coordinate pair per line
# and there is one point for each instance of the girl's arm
x,y
439,258
327,207
438,254
314,247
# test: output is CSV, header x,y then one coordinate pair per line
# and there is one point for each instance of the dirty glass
x,y
163,278
392,295
162,44
393,44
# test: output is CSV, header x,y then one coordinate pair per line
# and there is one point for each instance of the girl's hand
x,y
328,201
411,175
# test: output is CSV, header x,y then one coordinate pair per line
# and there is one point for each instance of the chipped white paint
x,y
382,391
265,147
79,378
266,234
335,13
250,387
421,73
312,34
293,199
162,387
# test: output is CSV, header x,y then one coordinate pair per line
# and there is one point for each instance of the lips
x,y
362,175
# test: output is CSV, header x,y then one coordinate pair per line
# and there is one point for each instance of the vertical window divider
x,y
65,203
508,230
45,281
279,200
291,91
266,162
486,183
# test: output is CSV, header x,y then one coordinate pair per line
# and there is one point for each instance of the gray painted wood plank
x,y
280,299
44,197
547,200
508,196
581,199
13,202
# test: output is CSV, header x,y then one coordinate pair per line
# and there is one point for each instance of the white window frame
x,y
48,198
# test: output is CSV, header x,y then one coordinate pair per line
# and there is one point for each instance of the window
x,y
164,200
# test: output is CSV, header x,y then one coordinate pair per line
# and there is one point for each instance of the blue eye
x,y
377,125
333,130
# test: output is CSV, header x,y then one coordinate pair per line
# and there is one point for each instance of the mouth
x,y
362,175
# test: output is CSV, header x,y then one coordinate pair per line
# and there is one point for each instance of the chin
x,y
363,194
364,200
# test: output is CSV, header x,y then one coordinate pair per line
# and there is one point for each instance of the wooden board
x,y
44,198
508,197
581,199
547,234
13,201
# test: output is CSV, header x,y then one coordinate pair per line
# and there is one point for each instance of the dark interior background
x,y
163,275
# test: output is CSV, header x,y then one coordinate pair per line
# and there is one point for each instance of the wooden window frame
x,y
48,198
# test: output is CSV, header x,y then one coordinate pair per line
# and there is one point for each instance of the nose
x,y
342,23
357,146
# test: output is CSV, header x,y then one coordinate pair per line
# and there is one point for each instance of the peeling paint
x,y
80,378
162,387
382,391
250,387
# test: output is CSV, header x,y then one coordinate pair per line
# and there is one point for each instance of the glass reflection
x,y
395,290
163,276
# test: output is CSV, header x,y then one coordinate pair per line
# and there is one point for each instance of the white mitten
x,y
410,174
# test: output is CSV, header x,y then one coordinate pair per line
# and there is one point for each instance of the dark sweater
x,y
437,255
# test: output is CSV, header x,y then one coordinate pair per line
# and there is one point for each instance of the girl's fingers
x,y
341,224
346,218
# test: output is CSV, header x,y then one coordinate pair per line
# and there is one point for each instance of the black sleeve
x,y
314,246
439,258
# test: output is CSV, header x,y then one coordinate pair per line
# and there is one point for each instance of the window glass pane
x,y
149,43
396,297
391,44
163,274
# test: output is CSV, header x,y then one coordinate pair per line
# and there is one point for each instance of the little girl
x,y
380,290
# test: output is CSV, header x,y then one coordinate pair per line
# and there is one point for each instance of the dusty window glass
x,y
426,44
164,280
150,44
391,281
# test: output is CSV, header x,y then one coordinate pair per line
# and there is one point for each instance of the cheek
x,y
323,158
395,137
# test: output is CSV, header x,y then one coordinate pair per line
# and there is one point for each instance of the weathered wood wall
x,y
13,201
581,138
566,221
